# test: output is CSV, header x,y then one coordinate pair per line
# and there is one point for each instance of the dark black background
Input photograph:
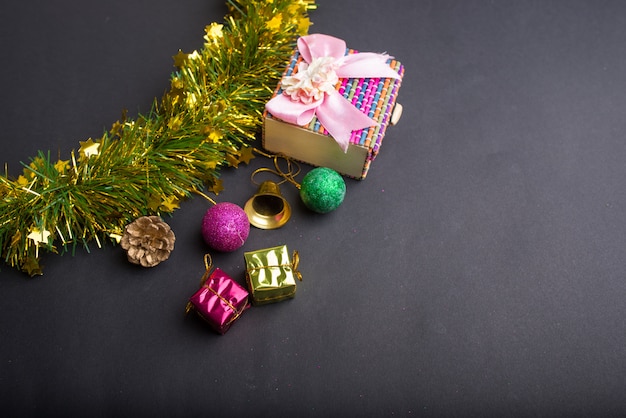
x,y
478,270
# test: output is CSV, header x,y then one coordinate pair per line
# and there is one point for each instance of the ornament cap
x,y
267,209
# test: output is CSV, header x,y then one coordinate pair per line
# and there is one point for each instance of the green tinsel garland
x,y
147,165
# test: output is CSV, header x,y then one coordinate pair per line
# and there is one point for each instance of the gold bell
x,y
267,209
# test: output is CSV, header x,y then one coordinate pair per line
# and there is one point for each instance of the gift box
x,y
333,106
271,275
220,301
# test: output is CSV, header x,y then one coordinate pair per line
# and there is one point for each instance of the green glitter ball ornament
x,y
322,190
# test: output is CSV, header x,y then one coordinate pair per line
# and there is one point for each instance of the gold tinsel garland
x,y
146,166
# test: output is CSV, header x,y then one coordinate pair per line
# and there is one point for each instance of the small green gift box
x,y
271,275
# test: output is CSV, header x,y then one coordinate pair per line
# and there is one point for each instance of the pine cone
x,y
148,241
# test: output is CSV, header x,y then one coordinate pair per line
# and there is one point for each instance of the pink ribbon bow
x,y
311,91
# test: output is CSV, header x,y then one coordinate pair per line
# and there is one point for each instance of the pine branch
x,y
147,165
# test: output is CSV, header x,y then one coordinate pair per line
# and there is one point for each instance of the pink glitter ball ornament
x,y
225,227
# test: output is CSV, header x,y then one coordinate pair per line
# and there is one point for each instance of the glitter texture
x,y
322,190
225,227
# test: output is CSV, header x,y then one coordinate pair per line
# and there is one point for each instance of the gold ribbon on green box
x,y
271,275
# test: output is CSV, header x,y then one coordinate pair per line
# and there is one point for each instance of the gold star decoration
x,y
174,123
232,161
180,59
303,25
215,136
214,32
216,187
62,165
31,267
274,23
28,172
116,237
170,203
116,128
22,181
154,202
246,155
89,148
38,236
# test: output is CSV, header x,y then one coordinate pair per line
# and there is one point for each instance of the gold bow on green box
x,y
271,275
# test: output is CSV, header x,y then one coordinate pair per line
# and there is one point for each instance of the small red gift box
x,y
220,301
